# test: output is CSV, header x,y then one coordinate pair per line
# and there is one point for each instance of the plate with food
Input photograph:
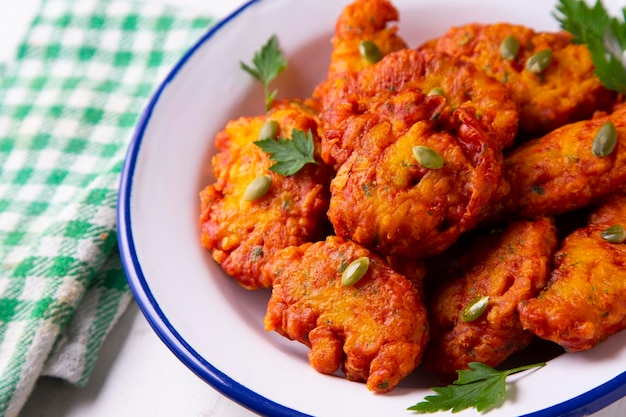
x,y
378,207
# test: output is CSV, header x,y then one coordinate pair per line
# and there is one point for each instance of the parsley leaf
x,y
289,155
481,387
604,35
267,64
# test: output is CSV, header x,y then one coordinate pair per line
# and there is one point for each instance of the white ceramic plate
x,y
208,321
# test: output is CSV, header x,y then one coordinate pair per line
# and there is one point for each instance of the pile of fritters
x,y
493,225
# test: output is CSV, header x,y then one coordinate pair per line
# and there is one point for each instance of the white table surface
x,y
136,375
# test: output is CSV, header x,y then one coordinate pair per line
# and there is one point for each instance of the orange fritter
x,y
559,172
241,235
363,20
392,92
508,268
382,197
390,203
585,301
375,330
565,92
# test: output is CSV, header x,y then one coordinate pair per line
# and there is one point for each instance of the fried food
x,y
585,301
388,202
381,196
363,20
565,92
393,92
374,114
508,268
241,235
375,330
461,102
559,172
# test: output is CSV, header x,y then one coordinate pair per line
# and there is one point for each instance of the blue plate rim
x,y
588,402
137,281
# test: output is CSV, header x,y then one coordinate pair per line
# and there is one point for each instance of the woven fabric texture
x,y
68,105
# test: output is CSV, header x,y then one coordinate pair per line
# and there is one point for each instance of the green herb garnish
x,y
604,35
481,387
289,155
267,64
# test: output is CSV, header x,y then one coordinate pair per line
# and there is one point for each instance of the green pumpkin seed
x,y
258,188
614,234
437,91
427,157
269,130
509,48
540,61
355,271
370,51
475,309
605,140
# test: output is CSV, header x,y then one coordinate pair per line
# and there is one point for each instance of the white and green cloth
x,y
68,105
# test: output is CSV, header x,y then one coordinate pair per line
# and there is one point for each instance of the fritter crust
x,y
391,204
558,172
585,301
362,20
508,267
566,92
241,235
393,91
381,197
376,330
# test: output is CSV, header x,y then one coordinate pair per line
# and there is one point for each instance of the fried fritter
x,y
507,268
381,196
585,301
241,235
375,330
390,203
362,20
558,172
393,92
566,92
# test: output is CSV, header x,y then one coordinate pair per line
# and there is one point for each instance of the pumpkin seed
x,y
258,188
355,271
437,91
370,51
614,234
605,140
427,157
540,61
509,48
269,130
475,309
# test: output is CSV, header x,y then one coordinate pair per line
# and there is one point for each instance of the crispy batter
x,y
363,20
567,91
375,330
585,301
412,269
372,117
559,173
381,196
389,91
508,267
242,235
388,202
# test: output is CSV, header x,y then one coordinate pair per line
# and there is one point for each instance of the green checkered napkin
x,y
68,105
